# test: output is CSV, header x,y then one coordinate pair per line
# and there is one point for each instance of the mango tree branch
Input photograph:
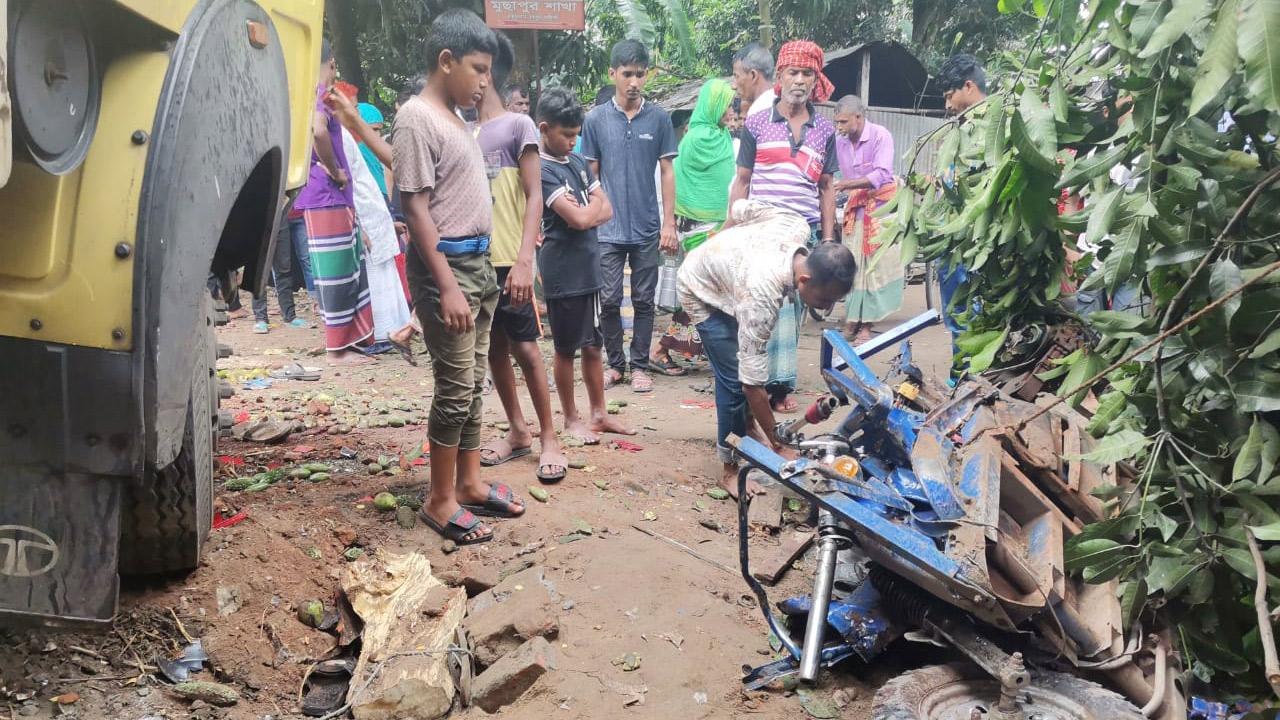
x,y
1266,636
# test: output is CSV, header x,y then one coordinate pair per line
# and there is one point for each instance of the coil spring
x,y
899,598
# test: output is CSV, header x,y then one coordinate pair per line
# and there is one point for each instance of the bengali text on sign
x,y
536,14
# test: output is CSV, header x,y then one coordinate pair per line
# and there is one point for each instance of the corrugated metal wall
x,y
906,128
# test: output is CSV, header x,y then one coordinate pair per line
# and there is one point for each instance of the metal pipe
x,y
1161,677
816,627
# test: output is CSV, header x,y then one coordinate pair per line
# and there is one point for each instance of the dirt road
x,y
621,591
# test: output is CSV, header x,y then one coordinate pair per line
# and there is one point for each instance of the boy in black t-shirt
x,y
569,262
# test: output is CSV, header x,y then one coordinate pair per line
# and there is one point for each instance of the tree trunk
x,y
927,18
522,71
342,29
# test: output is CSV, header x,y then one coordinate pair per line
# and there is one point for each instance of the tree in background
x,y
378,43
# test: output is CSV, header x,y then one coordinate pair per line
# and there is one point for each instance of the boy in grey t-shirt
x,y
625,139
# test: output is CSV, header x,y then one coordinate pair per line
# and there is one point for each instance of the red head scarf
x,y
805,54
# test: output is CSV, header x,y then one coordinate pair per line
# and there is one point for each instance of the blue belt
x,y
464,246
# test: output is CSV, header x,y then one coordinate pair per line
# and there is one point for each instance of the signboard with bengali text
x,y
536,14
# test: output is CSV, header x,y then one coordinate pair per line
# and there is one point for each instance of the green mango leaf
x,y
1256,396
1096,553
1168,573
1174,25
1123,445
1165,524
1259,45
1269,344
1084,170
1087,366
1010,6
1266,533
982,359
1039,120
1118,267
1223,279
1040,7
1146,18
1176,254
1250,454
995,129
1104,214
1118,323
1212,651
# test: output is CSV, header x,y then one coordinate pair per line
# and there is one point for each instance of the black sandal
x,y
498,504
460,524
324,689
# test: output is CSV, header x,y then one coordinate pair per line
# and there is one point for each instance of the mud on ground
x,y
693,625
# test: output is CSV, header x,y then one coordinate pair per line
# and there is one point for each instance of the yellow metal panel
x,y
300,24
168,14
59,271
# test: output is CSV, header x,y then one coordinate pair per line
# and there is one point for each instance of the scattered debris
x,y
629,662
403,668
775,566
601,483
765,511
539,494
625,445
816,705
228,599
688,550
210,692
514,673
674,638
352,554
406,517
710,524
520,607
717,493
448,547
649,515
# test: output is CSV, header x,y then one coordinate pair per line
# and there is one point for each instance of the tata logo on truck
x,y
26,552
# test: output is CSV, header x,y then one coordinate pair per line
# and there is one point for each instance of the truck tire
x,y
167,515
943,692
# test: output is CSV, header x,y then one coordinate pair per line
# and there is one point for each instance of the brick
x,y
513,674
765,511
519,608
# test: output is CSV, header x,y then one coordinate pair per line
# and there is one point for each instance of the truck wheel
x,y
166,515
960,691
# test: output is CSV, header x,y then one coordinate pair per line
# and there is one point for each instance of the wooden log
x,y
773,567
410,620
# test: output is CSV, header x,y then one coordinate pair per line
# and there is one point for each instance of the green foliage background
x,y
1197,414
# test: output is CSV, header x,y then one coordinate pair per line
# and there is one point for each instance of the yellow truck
x,y
145,145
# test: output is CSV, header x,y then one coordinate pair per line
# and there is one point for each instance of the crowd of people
x,y
473,218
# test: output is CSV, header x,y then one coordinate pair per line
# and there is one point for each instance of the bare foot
x,y
608,424
579,429
729,481
403,336
348,357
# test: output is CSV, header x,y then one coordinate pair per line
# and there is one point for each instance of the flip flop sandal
x,y
459,525
324,689
269,432
406,352
668,367
610,380
295,371
498,504
641,383
552,477
500,458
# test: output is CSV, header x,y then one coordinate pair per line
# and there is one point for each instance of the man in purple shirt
x,y
328,209
865,154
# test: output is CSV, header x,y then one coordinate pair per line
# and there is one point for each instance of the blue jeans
x,y
719,335
302,253
948,282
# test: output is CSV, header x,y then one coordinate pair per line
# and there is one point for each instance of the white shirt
x,y
372,216
746,272
764,102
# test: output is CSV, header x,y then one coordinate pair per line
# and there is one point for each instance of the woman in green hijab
x,y
704,170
